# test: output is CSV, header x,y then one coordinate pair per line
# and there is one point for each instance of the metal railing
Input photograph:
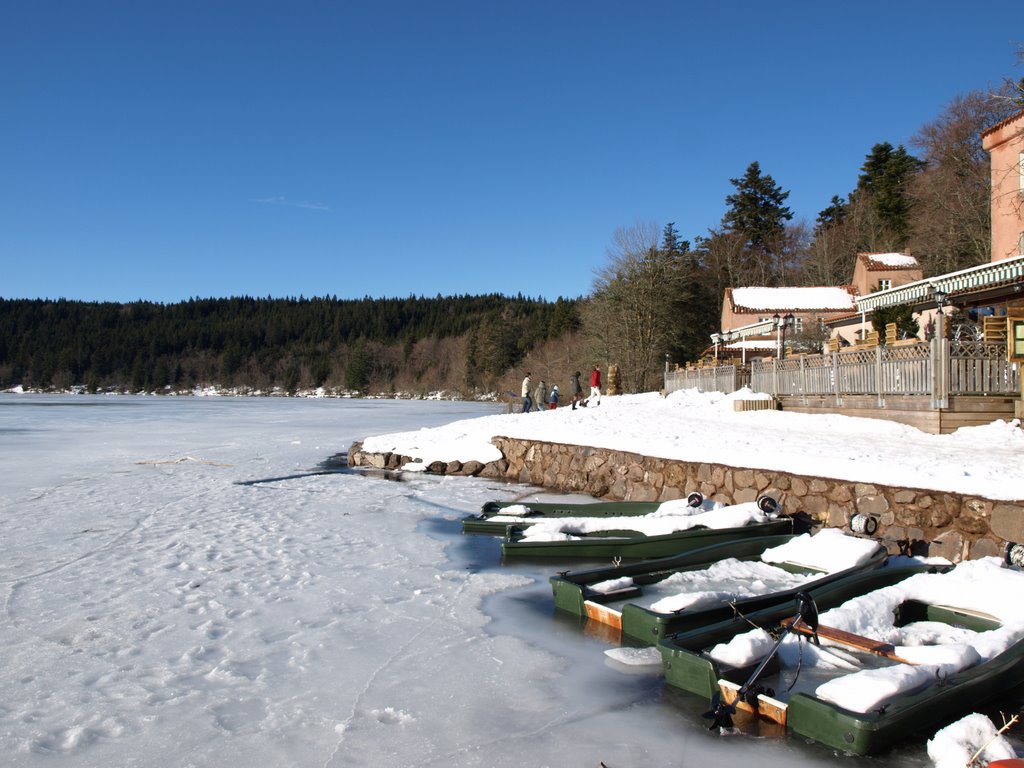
x,y
935,369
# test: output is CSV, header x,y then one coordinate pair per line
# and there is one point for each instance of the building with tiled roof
x,y
881,271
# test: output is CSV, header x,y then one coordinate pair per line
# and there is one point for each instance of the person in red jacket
x,y
595,386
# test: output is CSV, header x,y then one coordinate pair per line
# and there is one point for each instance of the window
x,y
884,284
1020,171
1020,244
798,324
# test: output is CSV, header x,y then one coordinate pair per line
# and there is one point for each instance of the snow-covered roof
x,y
830,298
889,260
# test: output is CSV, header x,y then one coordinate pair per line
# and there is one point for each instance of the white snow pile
x,y
893,259
955,745
981,586
816,297
724,581
703,427
516,513
828,551
568,528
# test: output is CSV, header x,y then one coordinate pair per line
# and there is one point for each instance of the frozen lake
x,y
185,583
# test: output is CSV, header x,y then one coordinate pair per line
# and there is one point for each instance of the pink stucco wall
x,y
1005,145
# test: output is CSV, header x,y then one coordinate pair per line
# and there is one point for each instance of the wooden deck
x,y
963,410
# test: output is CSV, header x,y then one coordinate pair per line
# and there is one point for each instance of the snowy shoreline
x,y
696,426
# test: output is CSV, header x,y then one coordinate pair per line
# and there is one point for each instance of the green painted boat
x,y
574,592
690,669
493,517
633,545
916,710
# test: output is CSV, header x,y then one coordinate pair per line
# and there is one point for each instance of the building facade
x,y
1005,144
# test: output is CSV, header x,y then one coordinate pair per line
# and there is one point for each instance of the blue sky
x,y
166,150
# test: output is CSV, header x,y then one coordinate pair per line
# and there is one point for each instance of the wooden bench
x,y
849,639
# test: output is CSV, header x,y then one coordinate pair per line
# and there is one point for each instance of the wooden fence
x,y
936,369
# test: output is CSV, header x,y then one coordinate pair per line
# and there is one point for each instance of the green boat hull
x,y
572,590
688,668
632,545
919,713
647,626
482,523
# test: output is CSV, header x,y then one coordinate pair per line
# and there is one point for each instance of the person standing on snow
x,y
577,391
595,386
553,398
527,403
540,395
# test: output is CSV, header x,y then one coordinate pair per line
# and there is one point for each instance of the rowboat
x,y
892,662
654,535
495,517
649,599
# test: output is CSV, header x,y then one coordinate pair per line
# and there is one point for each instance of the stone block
x,y
837,517
985,547
940,517
816,506
872,503
744,494
743,478
1008,522
840,493
949,545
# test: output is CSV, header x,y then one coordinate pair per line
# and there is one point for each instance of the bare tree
x,y
951,224
629,319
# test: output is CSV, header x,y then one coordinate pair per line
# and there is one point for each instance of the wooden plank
x,y
849,639
603,614
768,708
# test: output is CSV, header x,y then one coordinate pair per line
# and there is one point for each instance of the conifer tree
x,y
757,215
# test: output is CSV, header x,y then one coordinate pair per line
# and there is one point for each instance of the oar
x,y
807,611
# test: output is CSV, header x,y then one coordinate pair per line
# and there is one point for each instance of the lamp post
x,y
940,297
781,324
716,337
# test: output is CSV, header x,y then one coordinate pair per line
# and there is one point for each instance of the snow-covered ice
x,y
183,585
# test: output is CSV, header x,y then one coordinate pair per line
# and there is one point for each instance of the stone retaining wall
x,y
910,520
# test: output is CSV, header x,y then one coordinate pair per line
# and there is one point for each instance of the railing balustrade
x,y
935,369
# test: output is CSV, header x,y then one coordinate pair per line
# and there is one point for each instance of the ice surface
x,y
183,585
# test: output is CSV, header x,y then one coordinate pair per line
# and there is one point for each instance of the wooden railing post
x,y
878,377
835,378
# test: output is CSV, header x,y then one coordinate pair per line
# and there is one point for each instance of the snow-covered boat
x,y
649,599
893,662
663,533
496,516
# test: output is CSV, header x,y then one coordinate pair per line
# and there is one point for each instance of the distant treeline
x,y
414,345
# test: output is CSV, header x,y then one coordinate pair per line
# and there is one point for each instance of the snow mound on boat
x,y
829,550
979,586
955,745
566,528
